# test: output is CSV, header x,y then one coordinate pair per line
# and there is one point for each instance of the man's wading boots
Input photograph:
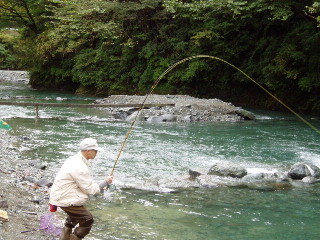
x,y
65,233
74,237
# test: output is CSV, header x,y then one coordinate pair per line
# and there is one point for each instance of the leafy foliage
x,y
108,47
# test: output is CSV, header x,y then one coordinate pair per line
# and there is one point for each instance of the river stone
x,y
38,164
227,170
44,182
4,204
301,170
35,199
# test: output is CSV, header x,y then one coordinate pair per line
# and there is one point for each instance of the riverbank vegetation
x,y
105,47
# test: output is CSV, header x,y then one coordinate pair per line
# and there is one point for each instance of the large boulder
x,y
301,170
246,115
227,170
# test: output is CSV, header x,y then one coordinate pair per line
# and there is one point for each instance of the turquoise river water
x,y
151,197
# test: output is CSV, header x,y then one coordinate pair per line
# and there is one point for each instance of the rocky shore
x,y
180,108
23,201
14,76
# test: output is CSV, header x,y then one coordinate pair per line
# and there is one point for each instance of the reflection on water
x,y
158,156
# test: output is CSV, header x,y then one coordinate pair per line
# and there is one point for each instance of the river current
x,y
151,197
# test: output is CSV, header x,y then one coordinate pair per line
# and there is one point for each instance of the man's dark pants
x,y
79,215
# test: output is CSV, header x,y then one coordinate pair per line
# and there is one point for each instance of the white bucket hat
x,y
89,144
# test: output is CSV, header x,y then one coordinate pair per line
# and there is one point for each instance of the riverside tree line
x,y
105,47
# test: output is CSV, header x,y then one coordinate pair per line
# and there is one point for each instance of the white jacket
x,y
73,183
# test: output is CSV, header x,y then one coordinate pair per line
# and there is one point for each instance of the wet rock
x,y
210,181
227,170
162,118
266,181
301,170
193,174
246,115
25,138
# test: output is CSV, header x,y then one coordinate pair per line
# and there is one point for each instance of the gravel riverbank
x,y
24,202
183,108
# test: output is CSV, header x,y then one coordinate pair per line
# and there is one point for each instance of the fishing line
x,y
188,59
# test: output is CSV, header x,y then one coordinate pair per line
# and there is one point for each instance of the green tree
x,y
313,11
22,13
106,34
21,21
116,46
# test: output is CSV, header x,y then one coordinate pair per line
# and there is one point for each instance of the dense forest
x,y
104,47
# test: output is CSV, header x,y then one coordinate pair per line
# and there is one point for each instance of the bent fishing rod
x,y
185,60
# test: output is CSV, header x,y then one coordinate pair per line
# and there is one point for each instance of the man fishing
x,y
71,188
